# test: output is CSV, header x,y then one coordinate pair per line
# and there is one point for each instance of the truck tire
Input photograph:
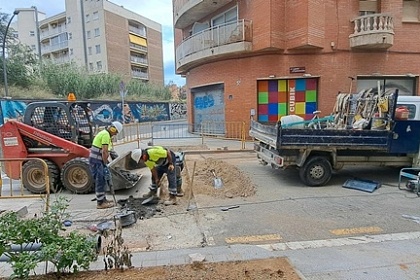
x,y
316,171
33,176
76,176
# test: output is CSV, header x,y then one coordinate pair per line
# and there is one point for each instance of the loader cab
x,y
68,120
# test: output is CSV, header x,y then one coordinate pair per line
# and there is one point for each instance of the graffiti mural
x,y
11,109
177,111
105,112
209,107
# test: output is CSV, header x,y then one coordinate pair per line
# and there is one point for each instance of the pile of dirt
x,y
235,182
266,269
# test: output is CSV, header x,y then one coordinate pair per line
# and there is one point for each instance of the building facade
x,y
98,35
264,59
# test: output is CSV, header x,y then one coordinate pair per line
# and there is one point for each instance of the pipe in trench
x,y
36,246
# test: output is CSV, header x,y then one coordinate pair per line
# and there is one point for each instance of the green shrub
x,y
68,252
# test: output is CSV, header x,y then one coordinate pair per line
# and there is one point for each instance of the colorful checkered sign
x,y
277,98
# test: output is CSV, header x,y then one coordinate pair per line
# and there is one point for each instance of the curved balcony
x,y
215,42
186,12
374,31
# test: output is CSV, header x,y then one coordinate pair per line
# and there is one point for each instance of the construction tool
x,y
153,197
217,181
190,189
229,207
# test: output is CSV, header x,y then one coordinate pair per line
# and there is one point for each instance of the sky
x,y
157,10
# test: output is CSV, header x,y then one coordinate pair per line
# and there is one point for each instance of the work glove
x,y
171,167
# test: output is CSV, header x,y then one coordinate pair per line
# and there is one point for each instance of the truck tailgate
x,y
264,132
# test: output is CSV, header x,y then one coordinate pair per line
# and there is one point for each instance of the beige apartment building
x,y
264,59
98,35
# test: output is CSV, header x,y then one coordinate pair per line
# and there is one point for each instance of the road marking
x,y
360,230
300,245
253,238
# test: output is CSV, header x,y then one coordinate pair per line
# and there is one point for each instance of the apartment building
x,y
98,35
264,59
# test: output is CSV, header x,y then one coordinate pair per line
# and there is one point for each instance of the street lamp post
x,y
4,52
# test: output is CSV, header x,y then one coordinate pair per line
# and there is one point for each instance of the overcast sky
x,y
156,10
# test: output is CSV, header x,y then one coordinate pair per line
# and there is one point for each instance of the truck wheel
x,y
33,176
316,172
76,176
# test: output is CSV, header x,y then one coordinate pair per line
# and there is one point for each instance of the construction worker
x,y
98,160
160,160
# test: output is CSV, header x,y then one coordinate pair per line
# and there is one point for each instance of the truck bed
x,y
403,137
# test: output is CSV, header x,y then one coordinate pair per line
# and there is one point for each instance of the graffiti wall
x,y
209,107
277,98
104,112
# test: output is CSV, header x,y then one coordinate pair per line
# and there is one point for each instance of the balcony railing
x,y
141,32
56,47
139,74
373,31
138,47
45,33
217,36
137,59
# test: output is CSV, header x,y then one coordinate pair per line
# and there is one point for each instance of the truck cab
x,y
412,103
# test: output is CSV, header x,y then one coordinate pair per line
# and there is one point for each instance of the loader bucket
x,y
125,172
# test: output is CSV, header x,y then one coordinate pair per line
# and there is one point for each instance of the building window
x,y
68,19
98,49
228,16
33,47
90,66
411,10
88,34
97,32
71,51
90,50
32,33
87,18
99,65
368,7
95,16
70,35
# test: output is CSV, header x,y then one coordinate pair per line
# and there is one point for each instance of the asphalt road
x,y
285,209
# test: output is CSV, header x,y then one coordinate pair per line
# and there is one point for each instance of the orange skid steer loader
x,y
61,134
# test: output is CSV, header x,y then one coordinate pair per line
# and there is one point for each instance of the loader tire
x,y
77,177
33,176
316,171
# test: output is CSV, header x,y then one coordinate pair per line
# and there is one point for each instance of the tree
x,y
21,62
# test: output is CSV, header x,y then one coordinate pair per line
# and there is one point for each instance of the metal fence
x,y
11,185
153,131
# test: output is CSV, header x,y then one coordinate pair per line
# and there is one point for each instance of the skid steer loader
x,y
61,134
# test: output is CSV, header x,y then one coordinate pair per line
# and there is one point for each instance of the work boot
x,y
150,194
171,200
179,192
105,204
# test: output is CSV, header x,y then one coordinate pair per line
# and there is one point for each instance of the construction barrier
x,y
225,130
11,175
152,131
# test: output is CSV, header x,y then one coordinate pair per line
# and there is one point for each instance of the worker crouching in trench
x,y
160,161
